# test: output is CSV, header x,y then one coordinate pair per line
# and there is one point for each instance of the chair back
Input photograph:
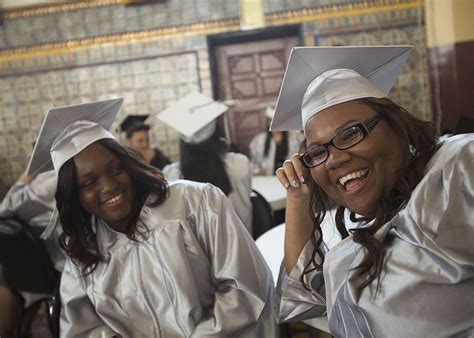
x,y
262,215
25,261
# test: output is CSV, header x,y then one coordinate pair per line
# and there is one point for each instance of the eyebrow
x,y
338,129
112,162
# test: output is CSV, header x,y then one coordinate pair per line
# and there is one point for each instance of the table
x,y
271,189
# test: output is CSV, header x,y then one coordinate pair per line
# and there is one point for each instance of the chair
x,y
262,215
26,263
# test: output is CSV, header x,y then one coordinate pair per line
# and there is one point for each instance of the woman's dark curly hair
x,y
412,131
78,239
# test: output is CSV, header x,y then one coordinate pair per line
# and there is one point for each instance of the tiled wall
x,y
403,27
117,18
152,72
148,75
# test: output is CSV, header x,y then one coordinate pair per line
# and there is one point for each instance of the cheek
x,y
87,200
318,174
321,178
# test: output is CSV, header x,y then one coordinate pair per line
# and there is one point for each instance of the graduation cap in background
x,y
193,116
320,77
66,131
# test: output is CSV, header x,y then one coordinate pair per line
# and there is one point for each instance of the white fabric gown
x,y
197,274
427,283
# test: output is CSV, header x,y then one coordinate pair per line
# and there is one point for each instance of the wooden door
x,y
251,74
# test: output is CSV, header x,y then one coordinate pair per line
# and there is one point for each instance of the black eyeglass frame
x,y
366,127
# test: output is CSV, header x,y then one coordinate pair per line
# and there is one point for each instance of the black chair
x,y
26,263
262,215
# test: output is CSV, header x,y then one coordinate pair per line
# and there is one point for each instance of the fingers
x,y
291,173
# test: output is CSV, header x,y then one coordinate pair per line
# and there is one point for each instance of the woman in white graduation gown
x,y
204,156
146,259
407,268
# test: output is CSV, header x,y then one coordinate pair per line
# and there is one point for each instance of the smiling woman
x,y
407,251
145,258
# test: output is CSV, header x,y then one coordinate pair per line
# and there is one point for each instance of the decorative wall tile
x,y
152,74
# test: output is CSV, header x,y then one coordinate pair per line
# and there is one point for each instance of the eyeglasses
x,y
344,139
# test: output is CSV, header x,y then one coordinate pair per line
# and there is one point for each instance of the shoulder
x,y
236,158
259,138
172,171
237,163
453,152
186,198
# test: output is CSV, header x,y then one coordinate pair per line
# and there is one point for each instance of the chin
x,y
362,210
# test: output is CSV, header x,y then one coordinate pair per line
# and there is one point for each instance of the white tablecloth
x,y
271,189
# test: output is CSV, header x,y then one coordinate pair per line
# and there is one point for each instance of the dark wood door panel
x,y
251,74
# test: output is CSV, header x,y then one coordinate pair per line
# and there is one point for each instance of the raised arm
x,y
298,223
294,301
30,196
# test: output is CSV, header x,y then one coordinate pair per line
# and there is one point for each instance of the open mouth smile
x,y
354,181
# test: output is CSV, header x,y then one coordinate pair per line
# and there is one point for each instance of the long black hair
x,y
78,239
412,131
204,162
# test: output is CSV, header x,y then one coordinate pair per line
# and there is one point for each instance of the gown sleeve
x,y
78,317
294,302
29,200
442,208
243,281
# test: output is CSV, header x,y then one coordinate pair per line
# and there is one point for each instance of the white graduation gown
x,y
197,274
427,283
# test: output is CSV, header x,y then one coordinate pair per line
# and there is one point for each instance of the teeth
x,y
114,199
355,174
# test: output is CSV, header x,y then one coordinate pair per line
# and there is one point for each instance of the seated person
x,y
405,268
32,200
269,149
204,156
145,258
136,132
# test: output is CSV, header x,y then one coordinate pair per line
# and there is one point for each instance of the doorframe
x,y
217,40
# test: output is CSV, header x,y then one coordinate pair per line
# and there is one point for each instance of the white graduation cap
x,y
320,77
193,116
66,131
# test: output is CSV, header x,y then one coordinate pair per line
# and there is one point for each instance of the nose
x,y
108,184
337,158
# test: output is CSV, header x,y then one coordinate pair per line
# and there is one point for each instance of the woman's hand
x,y
298,223
291,177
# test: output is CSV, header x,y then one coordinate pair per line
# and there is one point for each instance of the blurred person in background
x,y
269,149
136,133
204,156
